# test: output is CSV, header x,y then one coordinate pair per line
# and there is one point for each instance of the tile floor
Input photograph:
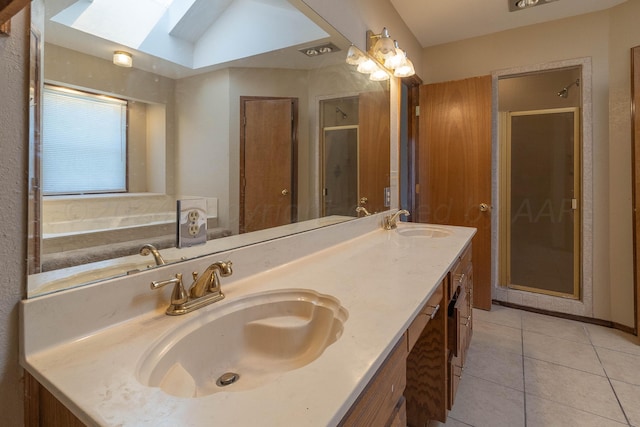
x,y
526,369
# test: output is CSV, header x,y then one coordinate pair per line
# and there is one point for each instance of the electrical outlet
x,y
194,229
191,222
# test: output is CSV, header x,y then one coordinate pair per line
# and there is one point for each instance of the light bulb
x,y
368,66
405,70
396,60
384,47
379,75
122,59
355,56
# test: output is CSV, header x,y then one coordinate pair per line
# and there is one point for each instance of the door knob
x,y
484,207
285,192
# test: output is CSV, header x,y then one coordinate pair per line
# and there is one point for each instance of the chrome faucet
x,y
363,210
391,221
203,291
150,249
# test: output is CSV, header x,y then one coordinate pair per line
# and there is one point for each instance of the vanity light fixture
x,y
515,5
383,58
122,59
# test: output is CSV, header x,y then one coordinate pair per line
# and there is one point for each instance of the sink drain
x,y
227,379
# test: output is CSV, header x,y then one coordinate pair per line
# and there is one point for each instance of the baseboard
x,y
605,323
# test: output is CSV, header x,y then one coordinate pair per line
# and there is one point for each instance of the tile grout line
x,y
607,376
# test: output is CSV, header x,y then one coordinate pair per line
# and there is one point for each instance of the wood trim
x,y
5,28
635,170
9,8
413,102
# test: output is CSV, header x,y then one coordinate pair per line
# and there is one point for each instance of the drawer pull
x,y
461,278
434,312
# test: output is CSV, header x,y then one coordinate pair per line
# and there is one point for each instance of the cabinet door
x,y
426,390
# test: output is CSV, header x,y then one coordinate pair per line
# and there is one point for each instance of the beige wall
x,y
208,128
606,37
278,83
203,122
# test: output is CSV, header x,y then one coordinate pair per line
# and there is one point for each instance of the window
x,y
84,142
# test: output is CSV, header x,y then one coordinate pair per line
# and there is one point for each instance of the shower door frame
x,y
323,165
505,211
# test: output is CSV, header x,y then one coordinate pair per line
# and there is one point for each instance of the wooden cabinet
x,y
435,363
42,409
426,391
459,321
382,402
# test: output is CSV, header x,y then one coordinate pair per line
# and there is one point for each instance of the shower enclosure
x,y
541,215
340,170
339,147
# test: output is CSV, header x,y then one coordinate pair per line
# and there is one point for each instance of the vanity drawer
x,y
428,312
459,271
378,403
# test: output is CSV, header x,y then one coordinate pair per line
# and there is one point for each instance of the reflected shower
x,y
565,90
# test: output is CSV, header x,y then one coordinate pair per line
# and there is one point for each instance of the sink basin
x,y
422,231
245,343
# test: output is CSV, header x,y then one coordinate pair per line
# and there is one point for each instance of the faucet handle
x,y
179,294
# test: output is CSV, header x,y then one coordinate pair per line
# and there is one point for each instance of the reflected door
x,y
267,166
340,170
374,154
542,193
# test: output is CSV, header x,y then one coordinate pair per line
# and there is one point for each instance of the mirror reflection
x,y
248,110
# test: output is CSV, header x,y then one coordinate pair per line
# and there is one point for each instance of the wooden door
x,y
267,163
635,104
373,149
455,166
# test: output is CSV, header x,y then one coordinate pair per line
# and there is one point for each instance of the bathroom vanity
x,y
365,326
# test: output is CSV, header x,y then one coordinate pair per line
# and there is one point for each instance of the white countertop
x,y
380,277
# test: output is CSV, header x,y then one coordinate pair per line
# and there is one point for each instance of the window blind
x,y
84,147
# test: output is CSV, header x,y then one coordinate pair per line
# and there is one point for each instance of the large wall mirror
x,y
245,108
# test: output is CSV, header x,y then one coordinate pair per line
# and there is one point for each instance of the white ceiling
x,y
435,22
178,38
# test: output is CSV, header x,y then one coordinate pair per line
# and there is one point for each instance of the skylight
x,y
123,21
193,33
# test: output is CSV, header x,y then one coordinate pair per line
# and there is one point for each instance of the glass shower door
x,y
340,174
542,206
